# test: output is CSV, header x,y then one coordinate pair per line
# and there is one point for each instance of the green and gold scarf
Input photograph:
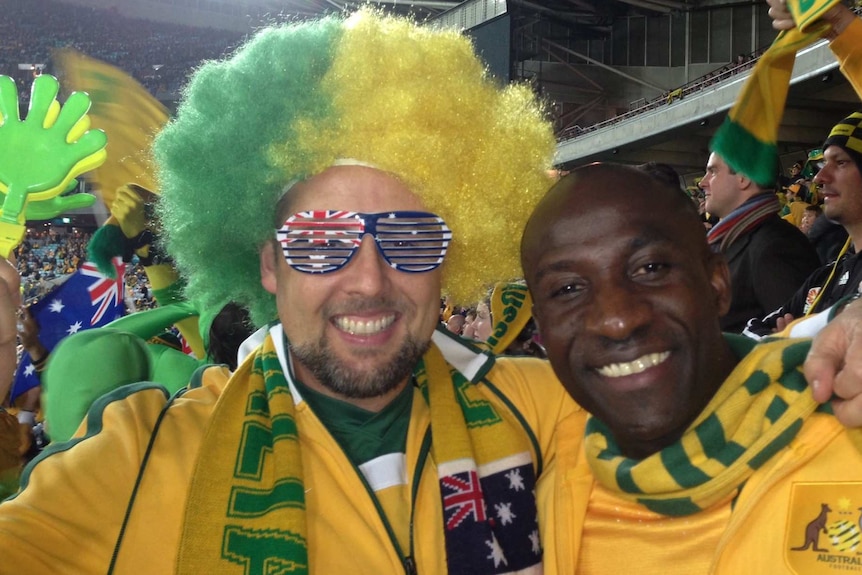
x,y
747,138
757,411
247,504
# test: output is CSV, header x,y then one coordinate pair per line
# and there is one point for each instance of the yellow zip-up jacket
x,y
795,509
762,529
70,512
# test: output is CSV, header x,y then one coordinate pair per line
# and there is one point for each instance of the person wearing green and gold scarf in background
x,y
843,29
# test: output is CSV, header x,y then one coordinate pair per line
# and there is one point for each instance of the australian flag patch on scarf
x,y
490,515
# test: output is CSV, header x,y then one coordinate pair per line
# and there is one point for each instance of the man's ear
x,y
720,280
268,267
535,319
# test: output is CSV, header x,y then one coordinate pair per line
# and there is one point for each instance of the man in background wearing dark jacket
x,y
769,258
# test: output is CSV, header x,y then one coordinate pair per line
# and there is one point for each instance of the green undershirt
x,y
363,435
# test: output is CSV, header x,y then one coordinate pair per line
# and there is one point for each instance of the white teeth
x,y
631,367
360,327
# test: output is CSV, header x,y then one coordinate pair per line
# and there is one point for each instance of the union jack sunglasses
x,y
323,241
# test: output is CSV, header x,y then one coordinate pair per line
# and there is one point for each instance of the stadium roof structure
x,y
624,80
583,16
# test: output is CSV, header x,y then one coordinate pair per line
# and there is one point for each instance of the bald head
x,y
598,186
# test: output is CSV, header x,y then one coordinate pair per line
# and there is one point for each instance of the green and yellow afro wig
x,y
413,101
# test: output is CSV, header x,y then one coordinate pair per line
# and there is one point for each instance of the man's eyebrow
x,y
559,265
649,236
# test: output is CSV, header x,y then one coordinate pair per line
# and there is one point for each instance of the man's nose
x,y
822,175
617,312
368,269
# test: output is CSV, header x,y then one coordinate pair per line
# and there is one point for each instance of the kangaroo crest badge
x,y
824,528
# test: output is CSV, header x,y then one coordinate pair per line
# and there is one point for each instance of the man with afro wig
x,y
325,177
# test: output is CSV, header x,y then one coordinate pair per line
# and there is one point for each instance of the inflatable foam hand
x,y
52,146
53,207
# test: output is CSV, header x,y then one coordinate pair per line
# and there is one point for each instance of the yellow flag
x,y
129,115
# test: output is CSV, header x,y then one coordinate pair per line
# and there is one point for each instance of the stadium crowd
x,y
31,30
46,257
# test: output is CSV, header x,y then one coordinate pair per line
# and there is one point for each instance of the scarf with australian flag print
x,y
247,500
486,474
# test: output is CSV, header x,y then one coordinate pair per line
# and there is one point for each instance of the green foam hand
x,y
52,207
41,155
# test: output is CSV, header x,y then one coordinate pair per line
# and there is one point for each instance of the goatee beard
x,y
346,381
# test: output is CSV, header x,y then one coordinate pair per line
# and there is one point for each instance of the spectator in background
x,y
483,325
469,329
455,323
699,198
28,403
793,174
840,179
447,308
794,204
809,217
768,257
795,171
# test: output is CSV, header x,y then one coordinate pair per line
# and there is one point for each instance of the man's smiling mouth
x,y
632,367
363,327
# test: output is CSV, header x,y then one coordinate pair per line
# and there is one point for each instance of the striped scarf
x,y
511,310
247,499
758,410
740,221
747,139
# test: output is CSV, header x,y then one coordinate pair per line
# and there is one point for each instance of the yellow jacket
x,y
754,531
794,507
70,512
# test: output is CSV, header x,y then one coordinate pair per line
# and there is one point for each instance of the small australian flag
x,y
86,299
490,515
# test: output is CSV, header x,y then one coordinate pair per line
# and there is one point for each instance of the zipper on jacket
x,y
406,559
424,450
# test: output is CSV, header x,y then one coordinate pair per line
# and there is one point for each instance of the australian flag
x,y
490,515
87,299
